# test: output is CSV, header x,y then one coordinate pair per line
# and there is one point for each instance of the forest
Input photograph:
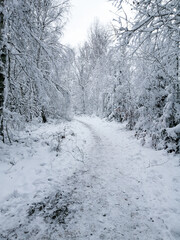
x,y
90,135
127,71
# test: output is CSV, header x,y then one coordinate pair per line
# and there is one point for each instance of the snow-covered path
x,y
124,197
116,190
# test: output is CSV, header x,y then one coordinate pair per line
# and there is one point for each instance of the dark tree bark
x,y
44,119
2,65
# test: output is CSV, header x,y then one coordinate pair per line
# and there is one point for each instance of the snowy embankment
x,y
87,179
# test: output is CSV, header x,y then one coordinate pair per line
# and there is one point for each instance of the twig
x,y
157,165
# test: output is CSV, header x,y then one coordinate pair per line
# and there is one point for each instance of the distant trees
x,y
90,69
100,44
83,70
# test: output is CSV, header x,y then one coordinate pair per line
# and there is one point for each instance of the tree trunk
x,y
2,65
177,57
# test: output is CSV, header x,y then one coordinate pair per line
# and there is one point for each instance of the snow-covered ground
x,y
87,179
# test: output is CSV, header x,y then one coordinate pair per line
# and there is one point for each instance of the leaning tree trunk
x,y
2,65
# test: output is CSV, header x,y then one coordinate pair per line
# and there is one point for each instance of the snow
x,y
95,176
173,131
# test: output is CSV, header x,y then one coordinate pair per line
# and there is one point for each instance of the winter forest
x,y
90,135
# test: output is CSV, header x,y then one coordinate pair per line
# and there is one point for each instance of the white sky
x,y
83,14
